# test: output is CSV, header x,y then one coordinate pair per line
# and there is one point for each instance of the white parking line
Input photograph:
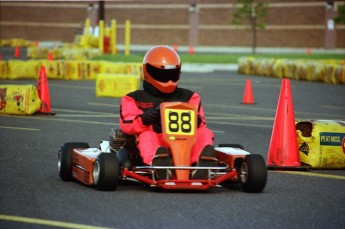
x,y
18,128
329,176
49,223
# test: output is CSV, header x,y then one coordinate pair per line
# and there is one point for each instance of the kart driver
x,y
139,114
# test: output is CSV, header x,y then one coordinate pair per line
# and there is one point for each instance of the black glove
x,y
150,116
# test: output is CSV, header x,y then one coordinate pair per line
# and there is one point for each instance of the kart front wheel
x,y
253,173
106,171
65,158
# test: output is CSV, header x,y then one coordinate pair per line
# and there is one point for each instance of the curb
x,y
204,68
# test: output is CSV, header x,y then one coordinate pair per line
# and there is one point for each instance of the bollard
x,y
101,36
113,37
127,37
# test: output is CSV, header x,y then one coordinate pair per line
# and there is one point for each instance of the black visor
x,y
163,75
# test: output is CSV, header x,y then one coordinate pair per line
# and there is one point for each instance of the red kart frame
x,y
101,166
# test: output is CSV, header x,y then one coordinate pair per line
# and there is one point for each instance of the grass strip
x,y
221,58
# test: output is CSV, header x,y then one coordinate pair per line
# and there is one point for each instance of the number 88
x,y
175,124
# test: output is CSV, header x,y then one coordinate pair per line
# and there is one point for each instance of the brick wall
x,y
289,24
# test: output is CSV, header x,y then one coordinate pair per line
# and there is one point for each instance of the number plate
x,y
179,122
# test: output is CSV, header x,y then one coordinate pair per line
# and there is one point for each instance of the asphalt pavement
x,y
33,195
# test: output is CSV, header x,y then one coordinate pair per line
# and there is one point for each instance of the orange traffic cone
x,y
175,47
50,56
191,50
17,53
283,150
248,97
43,92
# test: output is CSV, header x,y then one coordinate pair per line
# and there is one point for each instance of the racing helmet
x,y
162,68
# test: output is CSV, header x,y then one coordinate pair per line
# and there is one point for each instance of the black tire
x,y
65,159
106,171
253,173
231,145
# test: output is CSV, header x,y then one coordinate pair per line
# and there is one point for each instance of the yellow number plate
x,y
179,122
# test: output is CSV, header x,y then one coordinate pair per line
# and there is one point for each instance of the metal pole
x,y
101,11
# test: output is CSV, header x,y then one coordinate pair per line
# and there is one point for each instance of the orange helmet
x,y
162,68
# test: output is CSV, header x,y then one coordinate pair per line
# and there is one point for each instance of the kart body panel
x,y
179,130
228,155
83,160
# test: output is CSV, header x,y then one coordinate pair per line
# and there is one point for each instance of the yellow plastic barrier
x,y
328,71
91,70
3,69
74,53
302,71
318,72
245,65
241,65
135,69
18,42
322,143
84,40
267,65
330,61
57,54
334,73
54,69
340,73
20,69
277,69
73,70
4,42
67,70
14,42
88,41
81,70
66,52
17,69
32,69
257,67
329,76
19,100
289,69
116,85
113,68
37,52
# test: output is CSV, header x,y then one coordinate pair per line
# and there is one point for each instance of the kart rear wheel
x,y
253,173
65,159
106,172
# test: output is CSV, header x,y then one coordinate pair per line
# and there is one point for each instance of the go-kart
x,y
118,159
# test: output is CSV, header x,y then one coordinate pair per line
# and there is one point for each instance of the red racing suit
x,y
134,104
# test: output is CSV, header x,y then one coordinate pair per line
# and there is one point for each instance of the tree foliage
x,y
252,12
340,18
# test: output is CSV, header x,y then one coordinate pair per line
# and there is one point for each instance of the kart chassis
x,y
102,168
